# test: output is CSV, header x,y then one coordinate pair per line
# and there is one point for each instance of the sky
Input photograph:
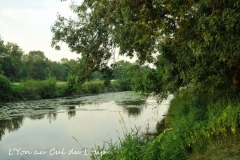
x,y
28,24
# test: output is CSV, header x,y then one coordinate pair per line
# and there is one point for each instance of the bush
x,y
47,88
32,91
196,123
71,84
40,89
20,92
5,89
62,89
128,148
92,87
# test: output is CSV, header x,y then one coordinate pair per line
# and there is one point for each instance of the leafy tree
x,y
36,55
5,89
196,41
2,49
38,66
96,76
57,70
121,70
12,62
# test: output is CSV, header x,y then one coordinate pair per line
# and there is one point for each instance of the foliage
x,y
143,79
61,89
197,121
47,87
40,89
131,146
195,41
92,87
35,89
71,84
11,61
21,92
96,76
192,126
5,89
18,66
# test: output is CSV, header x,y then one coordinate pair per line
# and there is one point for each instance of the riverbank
x,y
50,88
197,126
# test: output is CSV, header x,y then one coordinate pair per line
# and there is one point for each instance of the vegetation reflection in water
x,y
91,120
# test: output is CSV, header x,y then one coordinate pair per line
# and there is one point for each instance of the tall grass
x,y
49,88
96,86
196,124
198,121
34,89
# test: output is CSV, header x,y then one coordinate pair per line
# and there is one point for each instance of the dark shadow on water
x,y
52,116
37,117
71,103
133,107
133,111
10,125
71,112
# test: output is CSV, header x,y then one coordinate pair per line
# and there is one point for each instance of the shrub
x,y
62,89
47,87
71,84
198,120
128,148
40,89
20,92
92,87
5,89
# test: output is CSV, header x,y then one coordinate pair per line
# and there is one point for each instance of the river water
x,y
70,128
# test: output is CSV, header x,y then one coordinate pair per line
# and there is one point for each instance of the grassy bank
x,y
50,88
197,126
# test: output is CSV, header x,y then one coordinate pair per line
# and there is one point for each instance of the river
x,y
70,128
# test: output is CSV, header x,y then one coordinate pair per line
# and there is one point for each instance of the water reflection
x,y
133,111
90,120
71,111
37,117
133,107
10,125
52,116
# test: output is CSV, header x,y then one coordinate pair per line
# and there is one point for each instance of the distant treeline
x,y
38,76
18,66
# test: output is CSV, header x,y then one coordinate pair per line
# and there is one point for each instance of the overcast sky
x,y
27,23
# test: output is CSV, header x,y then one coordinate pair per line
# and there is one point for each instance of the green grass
x,y
197,126
49,88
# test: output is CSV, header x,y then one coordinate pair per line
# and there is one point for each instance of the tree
x,y
57,70
38,66
12,62
2,50
196,41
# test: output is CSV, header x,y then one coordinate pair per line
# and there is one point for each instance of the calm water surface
x,y
68,128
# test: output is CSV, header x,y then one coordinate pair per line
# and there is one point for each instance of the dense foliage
x,y
17,66
192,44
195,41
5,89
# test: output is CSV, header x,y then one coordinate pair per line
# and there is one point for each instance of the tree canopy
x,y
196,42
17,66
